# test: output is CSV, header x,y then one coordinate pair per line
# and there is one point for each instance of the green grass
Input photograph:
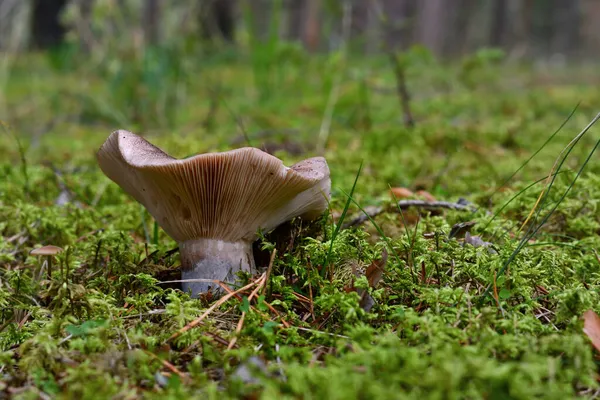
x,y
99,328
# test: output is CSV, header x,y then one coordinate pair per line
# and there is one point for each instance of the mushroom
x,y
214,204
47,251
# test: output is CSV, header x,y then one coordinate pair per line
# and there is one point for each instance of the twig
x,y
321,332
240,324
312,307
269,269
213,108
229,290
270,307
402,91
153,312
221,301
274,311
66,339
496,297
169,366
364,217
127,340
404,204
301,297
189,281
432,205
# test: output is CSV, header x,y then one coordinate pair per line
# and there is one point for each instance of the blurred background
x,y
414,81
523,28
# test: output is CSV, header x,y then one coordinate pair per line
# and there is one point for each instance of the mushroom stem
x,y
213,259
49,260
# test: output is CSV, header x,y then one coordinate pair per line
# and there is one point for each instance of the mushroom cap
x,y
227,196
49,250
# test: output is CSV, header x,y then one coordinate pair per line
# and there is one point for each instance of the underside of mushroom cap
x,y
227,196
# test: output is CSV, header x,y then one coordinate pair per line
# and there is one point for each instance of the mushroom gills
x,y
213,260
213,204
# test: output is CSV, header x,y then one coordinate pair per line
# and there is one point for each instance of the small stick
x,y
401,89
321,332
240,324
221,301
496,297
597,256
229,290
312,308
432,205
270,307
496,290
269,269
189,280
363,218
301,297
404,204
168,365
273,310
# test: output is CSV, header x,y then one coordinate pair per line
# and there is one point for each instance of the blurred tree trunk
x,y
460,18
521,12
590,28
84,24
543,30
295,17
566,21
14,24
312,27
432,24
260,15
400,22
224,13
217,18
360,23
47,30
498,25
151,21
373,31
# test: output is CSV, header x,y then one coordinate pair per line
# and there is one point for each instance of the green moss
x,y
99,327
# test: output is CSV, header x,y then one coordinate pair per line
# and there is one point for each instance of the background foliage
x,y
450,317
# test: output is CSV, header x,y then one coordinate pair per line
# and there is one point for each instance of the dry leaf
x,y
591,327
375,271
401,193
374,274
477,241
461,228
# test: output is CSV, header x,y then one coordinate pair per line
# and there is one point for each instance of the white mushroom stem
x,y
214,260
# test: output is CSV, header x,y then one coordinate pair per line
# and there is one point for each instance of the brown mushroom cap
x,y
46,251
227,196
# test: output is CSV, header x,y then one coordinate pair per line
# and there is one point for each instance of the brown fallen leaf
x,y
401,193
591,327
374,273
426,195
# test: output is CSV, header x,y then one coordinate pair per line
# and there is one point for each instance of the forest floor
x,y
475,302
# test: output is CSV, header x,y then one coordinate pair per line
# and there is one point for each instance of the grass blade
x,y
343,216
533,229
